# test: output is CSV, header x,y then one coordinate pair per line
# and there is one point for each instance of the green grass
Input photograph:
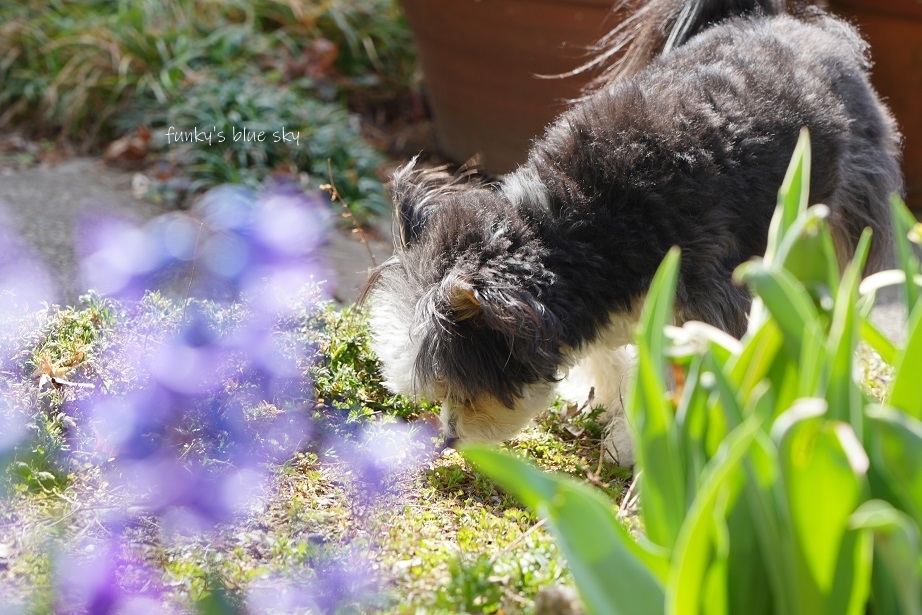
x,y
436,536
440,538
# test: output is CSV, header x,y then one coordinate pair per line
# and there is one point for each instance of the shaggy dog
x,y
497,291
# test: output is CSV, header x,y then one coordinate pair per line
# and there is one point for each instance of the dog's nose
x,y
450,441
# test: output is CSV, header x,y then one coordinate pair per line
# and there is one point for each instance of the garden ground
x,y
439,537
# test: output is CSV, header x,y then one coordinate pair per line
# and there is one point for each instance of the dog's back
x,y
804,68
495,290
691,148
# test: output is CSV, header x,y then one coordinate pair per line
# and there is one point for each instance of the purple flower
x,y
102,578
212,394
183,442
234,244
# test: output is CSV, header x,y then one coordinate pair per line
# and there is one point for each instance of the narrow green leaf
x,y
785,298
878,342
693,425
659,451
903,223
808,253
792,197
795,189
749,589
823,468
703,543
852,583
897,577
896,449
905,393
842,393
768,510
613,572
813,365
695,338
725,393
753,364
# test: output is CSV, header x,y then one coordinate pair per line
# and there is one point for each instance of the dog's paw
x,y
619,441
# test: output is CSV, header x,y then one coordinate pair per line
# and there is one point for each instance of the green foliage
x,y
64,348
329,146
774,484
88,72
346,374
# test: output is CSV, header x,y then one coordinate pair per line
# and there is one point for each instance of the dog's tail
x,y
654,27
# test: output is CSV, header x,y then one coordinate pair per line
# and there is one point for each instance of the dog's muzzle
x,y
450,437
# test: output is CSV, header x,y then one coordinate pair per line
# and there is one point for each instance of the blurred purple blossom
x,y
179,445
217,396
233,245
25,286
103,577
258,253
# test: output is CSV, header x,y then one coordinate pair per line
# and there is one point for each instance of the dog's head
x,y
460,315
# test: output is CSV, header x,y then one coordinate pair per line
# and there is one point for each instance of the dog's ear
x,y
515,313
462,300
418,192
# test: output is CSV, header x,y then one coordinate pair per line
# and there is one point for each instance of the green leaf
x,y
823,468
852,583
842,393
694,338
808,253
755,361
868,290
694,424
879,342
903,223
725,393
906,394
813,366
792,197
613,572
785,298
659,451
898,555
896,449
749,588
770,521
698,583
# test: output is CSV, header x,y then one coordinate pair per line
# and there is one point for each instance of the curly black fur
x,y
496,284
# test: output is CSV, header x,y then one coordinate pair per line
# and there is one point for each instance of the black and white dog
x,y
497,292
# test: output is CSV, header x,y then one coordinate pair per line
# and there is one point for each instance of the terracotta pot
x,y
894,30
481,58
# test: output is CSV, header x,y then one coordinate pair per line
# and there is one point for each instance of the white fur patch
x,y
393,343
603,368
524,187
